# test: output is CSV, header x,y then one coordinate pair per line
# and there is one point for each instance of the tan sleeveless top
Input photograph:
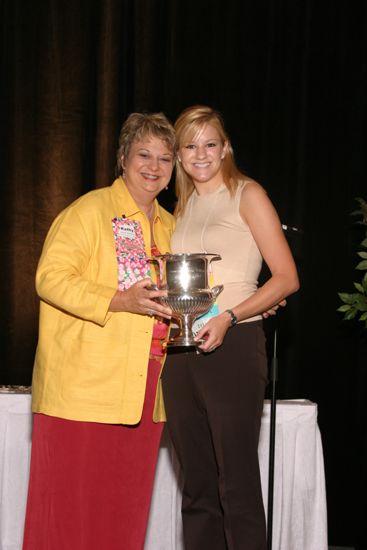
x,y
212,223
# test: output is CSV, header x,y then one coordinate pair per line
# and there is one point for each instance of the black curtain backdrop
x,y
290,80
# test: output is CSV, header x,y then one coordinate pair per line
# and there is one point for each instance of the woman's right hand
x,y
273,310
140,298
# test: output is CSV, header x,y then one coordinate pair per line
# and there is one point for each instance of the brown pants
x,y
214,404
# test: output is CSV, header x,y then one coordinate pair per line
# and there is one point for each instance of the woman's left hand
x,y
213,332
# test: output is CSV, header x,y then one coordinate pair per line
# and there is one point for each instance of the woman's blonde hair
x,y
187,127
137,127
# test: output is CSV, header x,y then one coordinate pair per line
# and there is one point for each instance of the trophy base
x,y
184,341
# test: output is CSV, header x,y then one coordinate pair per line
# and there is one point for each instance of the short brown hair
x,y
138,126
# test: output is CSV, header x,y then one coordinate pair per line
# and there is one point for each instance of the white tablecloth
x,y
15,450
299,515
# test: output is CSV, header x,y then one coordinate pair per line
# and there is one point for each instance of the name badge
x,y
128,232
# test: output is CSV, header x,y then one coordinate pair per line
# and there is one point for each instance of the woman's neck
x,y
145,204
148,209
205,188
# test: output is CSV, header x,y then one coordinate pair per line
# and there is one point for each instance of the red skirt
x,y
90,484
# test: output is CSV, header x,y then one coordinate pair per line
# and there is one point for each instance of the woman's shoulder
x,y
87,208
249,185
245,189
253,198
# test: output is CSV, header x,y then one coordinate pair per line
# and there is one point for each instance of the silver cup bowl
x,y
186,308
185,278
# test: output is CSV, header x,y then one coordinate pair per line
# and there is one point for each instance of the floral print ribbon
x,y
132,261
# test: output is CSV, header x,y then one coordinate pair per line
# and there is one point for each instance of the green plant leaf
x,y
350,314
344,308
355,303
359,287
362,210
361,302
362,265
347,298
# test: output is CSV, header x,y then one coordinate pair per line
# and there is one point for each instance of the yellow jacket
x,y
91,364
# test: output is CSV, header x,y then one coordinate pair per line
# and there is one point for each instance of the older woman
x,y
97,409
214,399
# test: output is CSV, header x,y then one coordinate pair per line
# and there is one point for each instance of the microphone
x,y
290,228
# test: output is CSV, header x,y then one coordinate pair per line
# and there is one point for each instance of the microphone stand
x,y
273,379
273,403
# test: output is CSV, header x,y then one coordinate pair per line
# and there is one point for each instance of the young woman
x,y
214,399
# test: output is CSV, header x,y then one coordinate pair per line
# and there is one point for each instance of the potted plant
x,y
355,303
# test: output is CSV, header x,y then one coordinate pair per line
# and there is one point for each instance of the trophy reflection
x,y
185,278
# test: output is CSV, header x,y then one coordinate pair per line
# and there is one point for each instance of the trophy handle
x,y
213,257
216,290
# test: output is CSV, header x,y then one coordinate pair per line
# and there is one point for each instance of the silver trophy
x,y
185,278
